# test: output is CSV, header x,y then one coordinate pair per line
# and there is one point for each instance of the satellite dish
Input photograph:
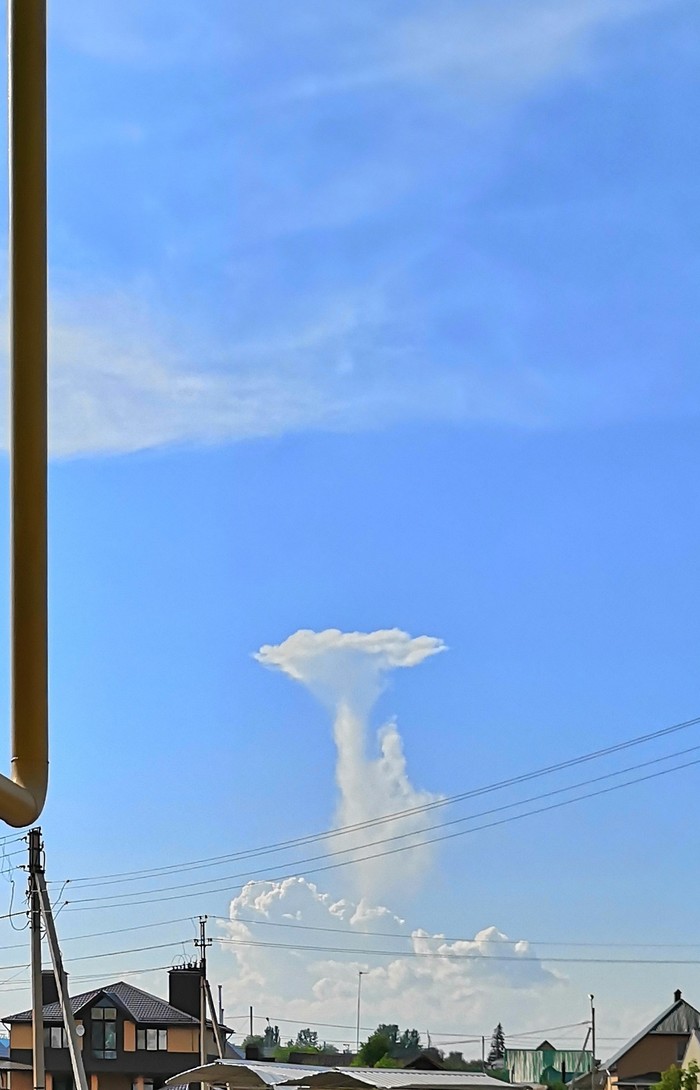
x,y
80,1030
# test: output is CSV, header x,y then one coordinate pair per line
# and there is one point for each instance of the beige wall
x,y
692,1052
21,1080
183,1039
21,1035
129,1037
655,1052
109,1081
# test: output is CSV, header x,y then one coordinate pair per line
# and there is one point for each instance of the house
x,y
547,1064
130,1039
692,1051
655,1048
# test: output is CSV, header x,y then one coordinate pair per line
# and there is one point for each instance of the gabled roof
x,y
680,1019
140,1006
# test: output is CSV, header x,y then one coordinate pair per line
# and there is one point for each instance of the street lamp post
x,y
360,974
592,997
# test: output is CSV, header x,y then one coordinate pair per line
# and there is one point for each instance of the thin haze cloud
x,y
347,671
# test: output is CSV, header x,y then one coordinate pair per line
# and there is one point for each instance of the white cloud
x,y
485,48
148,36
443,984
122,381
346,670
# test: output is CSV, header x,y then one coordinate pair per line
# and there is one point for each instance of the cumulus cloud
x,y
439,982
346,670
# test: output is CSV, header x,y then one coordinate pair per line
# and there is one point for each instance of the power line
x,y
451,956
93,976
557,943
158,893
448,938
112,931
449,800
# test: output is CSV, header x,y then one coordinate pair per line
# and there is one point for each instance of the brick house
x,y
663,1042
131,1040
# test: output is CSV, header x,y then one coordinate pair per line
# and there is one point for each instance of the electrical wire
x,y
448,800
447,938
453,956
147,896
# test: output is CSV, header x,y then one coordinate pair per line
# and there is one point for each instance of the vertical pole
x,y
202,993
483,1053
221,1005
360,974
214,1020
251,1021
76,1056
35,931
202,943
593,1063
28,447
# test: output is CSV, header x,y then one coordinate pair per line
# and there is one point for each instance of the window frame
x,y
160,1040
51,1032
104,1020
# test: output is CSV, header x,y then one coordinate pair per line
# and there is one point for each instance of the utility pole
x,y
593,1061
35,953
202,943
39,896
251,1021
221,1005
483,1053
360,974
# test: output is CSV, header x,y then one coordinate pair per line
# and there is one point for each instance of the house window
x,y
152,1040
104,1033
55,1037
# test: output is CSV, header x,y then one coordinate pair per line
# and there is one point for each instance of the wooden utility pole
x,y
39,1078
41,910
202,943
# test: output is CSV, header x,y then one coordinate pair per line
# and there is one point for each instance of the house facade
x,y
655,1048
130,1039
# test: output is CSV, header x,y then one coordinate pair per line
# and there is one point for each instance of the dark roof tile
x,y
138,1005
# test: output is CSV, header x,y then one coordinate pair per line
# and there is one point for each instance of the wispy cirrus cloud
x,y
486,47
381,265
122,382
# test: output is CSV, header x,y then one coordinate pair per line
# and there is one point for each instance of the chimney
x,y
677,995
183,988
49,991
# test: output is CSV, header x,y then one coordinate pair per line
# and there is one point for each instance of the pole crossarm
x,y
22,794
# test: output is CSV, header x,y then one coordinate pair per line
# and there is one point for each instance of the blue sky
x,y
371,316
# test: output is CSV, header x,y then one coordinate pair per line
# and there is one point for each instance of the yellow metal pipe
x,y
22,796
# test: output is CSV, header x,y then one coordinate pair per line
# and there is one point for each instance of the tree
x,y
387,1060
497,1051
388,1030
307,1038
387,1041
271,1036
677,1078
409,1041
374,1048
